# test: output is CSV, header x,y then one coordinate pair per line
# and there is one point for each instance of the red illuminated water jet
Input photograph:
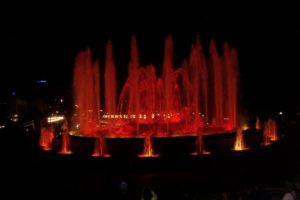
x,y
199,144
273,132
100,147
148,149
202,92
110,88
239,144
86,86
46,138
257,124
65,142
266,136
270,133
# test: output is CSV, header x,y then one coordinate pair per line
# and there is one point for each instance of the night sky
x,y
40,41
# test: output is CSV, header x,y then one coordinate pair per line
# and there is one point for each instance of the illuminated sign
x,y
53,119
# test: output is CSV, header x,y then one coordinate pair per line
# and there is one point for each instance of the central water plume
x,y
110,85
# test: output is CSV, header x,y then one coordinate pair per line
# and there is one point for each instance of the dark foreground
x,y
29,173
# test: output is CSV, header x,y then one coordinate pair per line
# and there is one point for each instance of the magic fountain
x,y
197,98
201,93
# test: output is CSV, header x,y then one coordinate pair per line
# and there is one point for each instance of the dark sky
x,y
40,41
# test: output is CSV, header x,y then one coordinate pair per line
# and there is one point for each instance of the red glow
x,y
148,150
100,147
65,143
257,124
203,92
46,138
270,132
86,92
110,86
273,130
266,135
239,142
199,144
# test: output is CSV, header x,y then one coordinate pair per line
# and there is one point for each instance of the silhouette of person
x,y
293,190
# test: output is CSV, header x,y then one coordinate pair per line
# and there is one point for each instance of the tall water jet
x,y
100,149
86,89
167,76
257,124
186,96
266,135
46,138
239,144
273,132
198,80
65,142
96,99
133,68
204,84
134,98
217,69
110,85
200,144
231,86
148,148
169,94
194,65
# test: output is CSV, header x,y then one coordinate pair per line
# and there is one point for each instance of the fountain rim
x,y
74,134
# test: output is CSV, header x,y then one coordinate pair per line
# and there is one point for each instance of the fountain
x,y
273,134
148,149
46,138
257,124
239,142
86,93
203,92
200,95
270,133
266,134
110,87
100,146
179,102
65,142
199,144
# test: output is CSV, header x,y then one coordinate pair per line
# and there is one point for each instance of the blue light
x,y
41,81
13,93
